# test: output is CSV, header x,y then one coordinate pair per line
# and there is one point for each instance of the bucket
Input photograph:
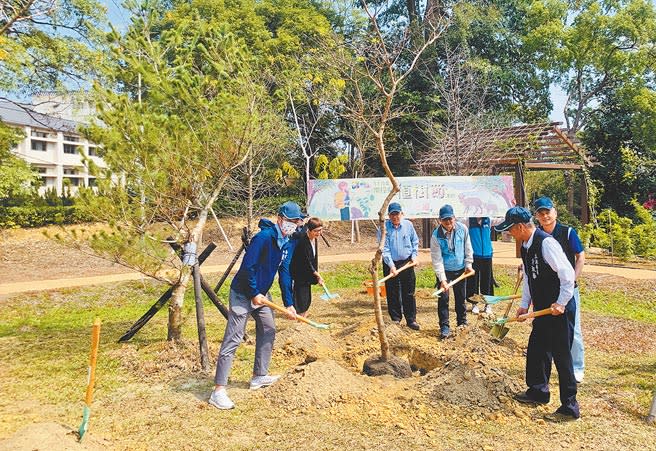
x,y
369,284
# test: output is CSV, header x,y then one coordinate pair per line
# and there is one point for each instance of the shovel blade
x,y
329,296
84,426
499,331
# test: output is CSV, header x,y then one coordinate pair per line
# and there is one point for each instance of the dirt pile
x,y
305,342
317,385
473,375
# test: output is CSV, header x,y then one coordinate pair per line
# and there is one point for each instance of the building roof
x,y
20,114
538,146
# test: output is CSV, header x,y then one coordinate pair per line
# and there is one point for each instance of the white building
x,y
52,146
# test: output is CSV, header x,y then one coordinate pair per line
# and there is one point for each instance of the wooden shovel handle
x,y
546,311
284,310
95,341
464,275
402,268
517,283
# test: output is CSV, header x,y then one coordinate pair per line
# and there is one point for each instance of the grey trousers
x,y
265,333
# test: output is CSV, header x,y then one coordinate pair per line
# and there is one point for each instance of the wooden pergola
x,y
540,147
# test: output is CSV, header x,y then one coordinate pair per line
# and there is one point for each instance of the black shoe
x,y
413,325
525,399
560,417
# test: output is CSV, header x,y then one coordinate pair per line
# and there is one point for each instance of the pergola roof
x,y
539,146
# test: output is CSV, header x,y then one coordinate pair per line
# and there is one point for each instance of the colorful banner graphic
x,y
420,197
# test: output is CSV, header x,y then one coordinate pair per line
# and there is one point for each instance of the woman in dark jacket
x,y
304,267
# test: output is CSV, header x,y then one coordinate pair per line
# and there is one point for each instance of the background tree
x,y
16,176
47,44
592,48
620,134
384,58
180,109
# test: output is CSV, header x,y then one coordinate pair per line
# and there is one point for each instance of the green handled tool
x,y
503,321
328,295
91,377
299,318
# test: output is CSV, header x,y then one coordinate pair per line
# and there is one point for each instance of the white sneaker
x,y
475,310
262,381
220,400
578,377
488,309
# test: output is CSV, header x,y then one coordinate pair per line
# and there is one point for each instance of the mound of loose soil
x,y
471,376
317,385
304,341
49,437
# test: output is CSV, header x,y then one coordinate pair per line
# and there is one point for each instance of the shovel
x,y
499,331
402,268
298,318
502,321
491,300
463,276
328,295
95,341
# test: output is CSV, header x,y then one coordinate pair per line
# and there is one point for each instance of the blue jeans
x,y
578,350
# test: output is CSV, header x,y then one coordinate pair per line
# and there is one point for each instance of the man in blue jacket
x,y
451,255
480,234
262,260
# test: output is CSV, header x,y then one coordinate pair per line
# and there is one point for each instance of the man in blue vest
x,y
451,255
548,283
546,214
480,234
401,247
250,286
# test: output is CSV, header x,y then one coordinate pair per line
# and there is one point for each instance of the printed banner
x,y
420,197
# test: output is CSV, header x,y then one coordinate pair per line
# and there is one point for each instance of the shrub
x,y
31,216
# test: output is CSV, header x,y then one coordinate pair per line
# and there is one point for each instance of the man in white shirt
x,y
548,283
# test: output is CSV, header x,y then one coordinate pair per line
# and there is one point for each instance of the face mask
x,y
288,228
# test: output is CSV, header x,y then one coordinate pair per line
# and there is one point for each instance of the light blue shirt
x,y
401,242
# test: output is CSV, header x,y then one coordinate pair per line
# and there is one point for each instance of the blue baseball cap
x,y
515,215
394,207
446,212
291,210
542,202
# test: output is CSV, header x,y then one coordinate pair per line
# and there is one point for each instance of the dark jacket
x,y
261,262
304,264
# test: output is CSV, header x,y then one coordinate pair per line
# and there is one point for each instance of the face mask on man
x,y
288,227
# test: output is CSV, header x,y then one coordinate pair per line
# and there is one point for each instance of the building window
x,y
92,182
37,134
72,181
70,171
93,151
44,181
70,148
71,138
42,170
39,145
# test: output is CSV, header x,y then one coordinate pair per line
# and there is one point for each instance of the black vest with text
x,y
543,282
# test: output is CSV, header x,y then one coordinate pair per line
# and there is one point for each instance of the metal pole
x,y
225,237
